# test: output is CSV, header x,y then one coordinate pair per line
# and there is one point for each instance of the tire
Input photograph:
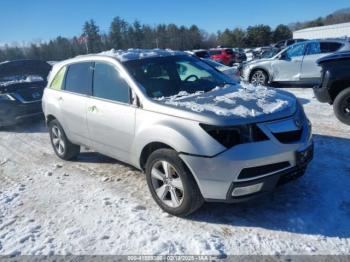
x,y
341,106
164,187
259,78
63,148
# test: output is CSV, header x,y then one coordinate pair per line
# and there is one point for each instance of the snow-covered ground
x,y
98,205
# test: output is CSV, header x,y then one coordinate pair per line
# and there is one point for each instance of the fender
x,y
187,138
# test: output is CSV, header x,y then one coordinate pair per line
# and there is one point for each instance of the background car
x,y
335,85
21,88
223,55
295,65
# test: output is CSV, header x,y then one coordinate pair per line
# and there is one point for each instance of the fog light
x,y
246,190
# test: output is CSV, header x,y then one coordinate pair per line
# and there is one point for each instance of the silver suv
x,y
294,65
195,133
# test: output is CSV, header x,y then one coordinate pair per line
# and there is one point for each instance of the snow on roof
x,y
135,54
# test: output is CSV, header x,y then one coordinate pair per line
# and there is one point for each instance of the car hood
x,y
258,61
24,67
231,104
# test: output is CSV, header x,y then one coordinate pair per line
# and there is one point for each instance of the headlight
x,y
235,135
6,97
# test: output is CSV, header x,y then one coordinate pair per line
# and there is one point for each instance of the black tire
x,y
341,106
263,75
191,198
70,151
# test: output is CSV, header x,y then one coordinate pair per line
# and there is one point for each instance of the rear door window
x,y
79,78
108,84
313,48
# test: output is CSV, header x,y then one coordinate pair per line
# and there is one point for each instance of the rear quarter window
x,y
57,81
330,47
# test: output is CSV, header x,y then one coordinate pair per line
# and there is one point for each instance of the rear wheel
x,y
259,78
63,148
341,106
171,184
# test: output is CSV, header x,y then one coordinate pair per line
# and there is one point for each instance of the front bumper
x,y
12,112
267,162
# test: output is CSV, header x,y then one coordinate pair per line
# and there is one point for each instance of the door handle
x,y
92,109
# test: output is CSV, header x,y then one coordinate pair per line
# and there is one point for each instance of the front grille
x,y
289,137
252,172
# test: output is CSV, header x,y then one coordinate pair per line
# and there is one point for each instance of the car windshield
x,y
269,53
168,76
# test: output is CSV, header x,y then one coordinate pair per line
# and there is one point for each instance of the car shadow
x,y
316,204
34,125
97,158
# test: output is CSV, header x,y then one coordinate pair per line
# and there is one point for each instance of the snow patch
x,y
231,100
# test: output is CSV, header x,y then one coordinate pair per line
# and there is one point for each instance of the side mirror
x,y
283,56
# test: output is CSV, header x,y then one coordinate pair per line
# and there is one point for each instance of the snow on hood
x,y
135,54
232,100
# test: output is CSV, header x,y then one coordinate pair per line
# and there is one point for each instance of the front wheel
x,y
171,184
259,78
63,148
341,106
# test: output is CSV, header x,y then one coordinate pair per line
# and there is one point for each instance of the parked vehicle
x,y
223,55
285,43
232,72
335,85
21,87
240,56
201,53
196,134
295,65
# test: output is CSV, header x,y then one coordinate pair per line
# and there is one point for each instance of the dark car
x,y
22,83
335,84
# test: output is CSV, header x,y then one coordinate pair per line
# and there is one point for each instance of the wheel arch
x,y
148,150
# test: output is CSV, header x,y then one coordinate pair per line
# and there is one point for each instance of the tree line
x,y
124,35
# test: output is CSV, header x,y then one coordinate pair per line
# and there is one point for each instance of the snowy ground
x,y
97,205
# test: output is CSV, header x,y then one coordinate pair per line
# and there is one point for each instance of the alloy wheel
x,y
258,78
57,140
167,184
